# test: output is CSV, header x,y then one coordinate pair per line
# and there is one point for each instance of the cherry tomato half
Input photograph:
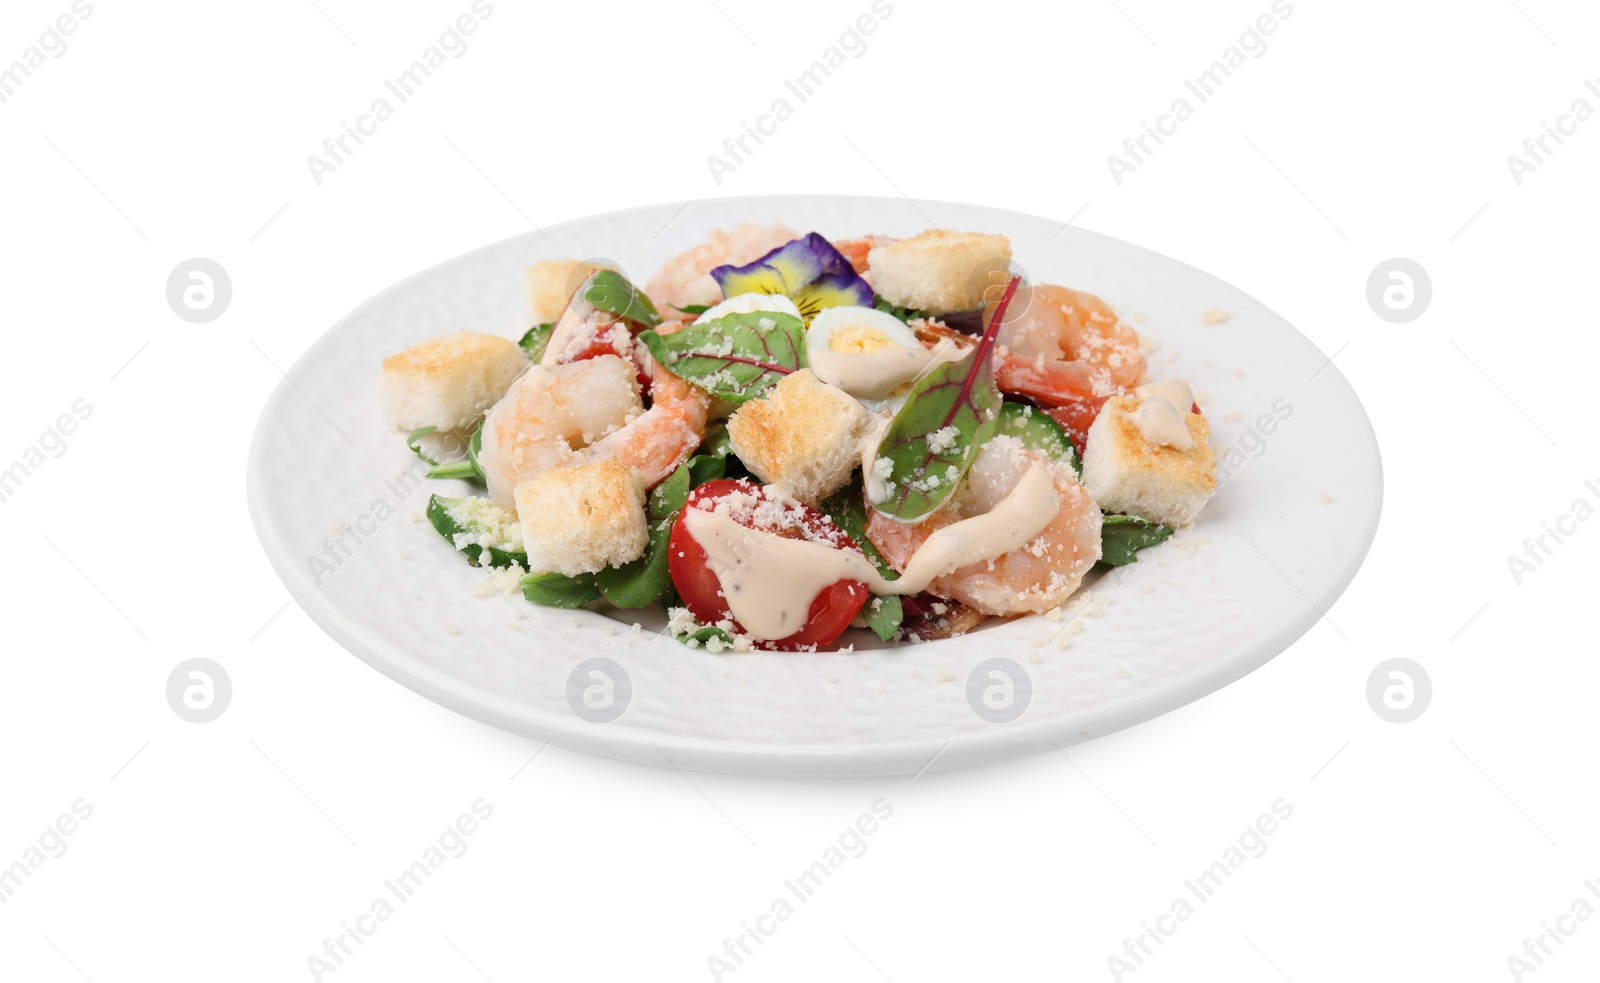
x,y
1075,417
601,344
831,612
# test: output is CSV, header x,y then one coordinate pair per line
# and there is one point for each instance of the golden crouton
x,y
1126,472
448,382
804,435
940,271
551,283
583,518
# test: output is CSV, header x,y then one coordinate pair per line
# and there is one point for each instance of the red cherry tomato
x,y
602,345
1076,415
831,612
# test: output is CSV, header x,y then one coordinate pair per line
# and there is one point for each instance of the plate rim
x,y
897,757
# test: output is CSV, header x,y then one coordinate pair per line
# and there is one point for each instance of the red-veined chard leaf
x,y
950,413
735,357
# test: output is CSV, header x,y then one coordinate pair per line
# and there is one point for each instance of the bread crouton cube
x,y
448,382
804,435
583,518
551,283
1128,472
940,271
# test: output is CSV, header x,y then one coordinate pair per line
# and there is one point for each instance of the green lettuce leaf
x,y
903,313
415,443
735,357
706,633
702,633
534,342
884,616
645,581
706,467
610,291
1122,536
467,468
847,510
439,517
560,591
710,462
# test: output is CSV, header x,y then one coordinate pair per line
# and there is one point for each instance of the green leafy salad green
x,y
881,485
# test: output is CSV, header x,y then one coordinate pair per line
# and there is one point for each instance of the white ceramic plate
x,y
1296,512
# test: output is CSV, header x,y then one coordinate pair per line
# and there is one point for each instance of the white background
x,y
231,850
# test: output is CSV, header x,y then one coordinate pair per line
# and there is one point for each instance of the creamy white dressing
x,y
770,582
1016,520
870,442
1174,391
1162,424
877,374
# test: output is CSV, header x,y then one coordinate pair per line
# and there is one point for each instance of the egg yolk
x,y
858,341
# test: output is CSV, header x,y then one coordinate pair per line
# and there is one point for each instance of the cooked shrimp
x,y
1047,380
1070,391
549,412
686,279
656,442
1066,390
583,332
856,250
1035,578
1050,324
590,410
